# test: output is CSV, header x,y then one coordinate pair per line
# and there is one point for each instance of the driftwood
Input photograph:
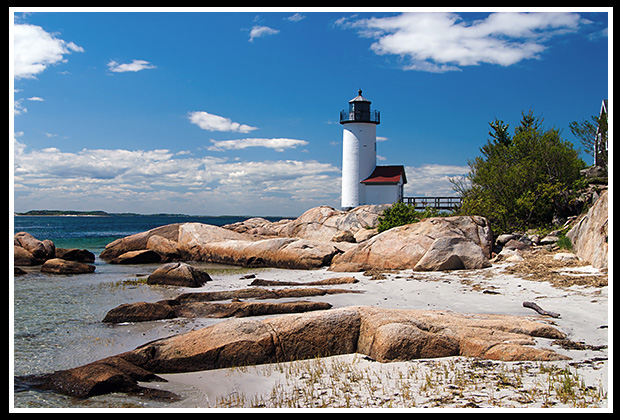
x,y
540,310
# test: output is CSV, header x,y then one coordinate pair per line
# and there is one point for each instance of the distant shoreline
x,y
94,213
101,213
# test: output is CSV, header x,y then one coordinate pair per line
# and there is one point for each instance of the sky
x,y
222,112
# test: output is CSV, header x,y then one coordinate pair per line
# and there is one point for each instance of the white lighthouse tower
x,y
359,153
363,182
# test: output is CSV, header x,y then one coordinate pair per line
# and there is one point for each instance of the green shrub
x,y
400,214
564,242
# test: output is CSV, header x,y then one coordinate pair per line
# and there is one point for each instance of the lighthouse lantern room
x,y
363,182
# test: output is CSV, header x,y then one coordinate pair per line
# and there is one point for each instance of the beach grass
x,y
355,382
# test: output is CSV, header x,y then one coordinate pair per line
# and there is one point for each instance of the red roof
x,y
387,175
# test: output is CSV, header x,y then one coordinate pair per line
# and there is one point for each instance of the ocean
x,y
57,318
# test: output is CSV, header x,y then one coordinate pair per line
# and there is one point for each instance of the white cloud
x,y
134,66
35,99
152,181
261,31
432,179
441,42
296,17
213,122
18,107
278,144
35,49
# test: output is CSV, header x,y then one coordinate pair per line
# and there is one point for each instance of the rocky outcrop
x,y
437,243
316,239
324,223
382,334
258,226
29,251
200,242
321,223
590,235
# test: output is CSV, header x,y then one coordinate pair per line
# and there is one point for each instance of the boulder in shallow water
x,y
60,266
179,274
41,250
22,256
74,254
140,312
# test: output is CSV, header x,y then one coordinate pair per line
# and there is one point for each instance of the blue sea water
x,y
97,231
57,318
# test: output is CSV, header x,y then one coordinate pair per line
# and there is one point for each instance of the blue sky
x,y
212,112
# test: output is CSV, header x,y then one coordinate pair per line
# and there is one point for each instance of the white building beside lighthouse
x,y
363,182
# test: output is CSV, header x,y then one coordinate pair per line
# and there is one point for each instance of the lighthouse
x,y
363,182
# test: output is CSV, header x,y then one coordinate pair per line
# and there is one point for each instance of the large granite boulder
x,y
192,237
437,243
405,334
590,235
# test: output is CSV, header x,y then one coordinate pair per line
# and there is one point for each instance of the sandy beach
x,y
355,381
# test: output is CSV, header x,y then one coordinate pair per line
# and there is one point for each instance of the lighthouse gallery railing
x,y
353,116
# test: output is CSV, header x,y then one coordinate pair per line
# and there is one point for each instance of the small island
x,y
97,213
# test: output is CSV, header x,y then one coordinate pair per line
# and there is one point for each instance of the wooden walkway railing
x,y
440,203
